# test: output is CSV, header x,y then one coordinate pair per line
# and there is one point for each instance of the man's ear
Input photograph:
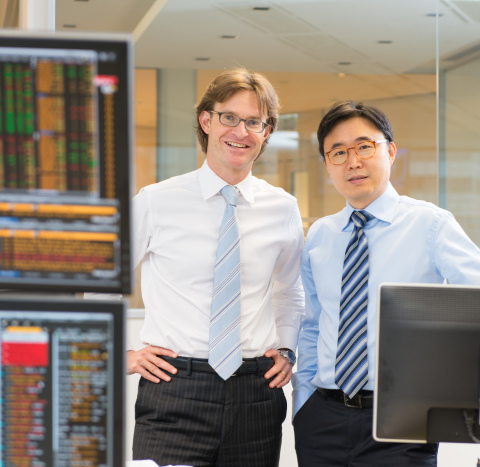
x,y
266,133
392,151
327,167
204,120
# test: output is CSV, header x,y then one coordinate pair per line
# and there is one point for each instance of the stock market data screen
x,y
65,162
61,383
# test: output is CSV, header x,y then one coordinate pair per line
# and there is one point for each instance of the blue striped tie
x,y
225,348
351,365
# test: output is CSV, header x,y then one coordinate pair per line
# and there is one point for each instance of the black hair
x,y
344,110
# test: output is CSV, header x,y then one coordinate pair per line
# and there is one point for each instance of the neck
x,y
232,177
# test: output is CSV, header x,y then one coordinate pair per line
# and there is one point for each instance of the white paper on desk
x,y
145,463
150,463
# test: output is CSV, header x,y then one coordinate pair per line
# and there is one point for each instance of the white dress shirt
x,y
409,241
176,225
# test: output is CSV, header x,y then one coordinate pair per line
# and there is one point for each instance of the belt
x,y
361,400
248,366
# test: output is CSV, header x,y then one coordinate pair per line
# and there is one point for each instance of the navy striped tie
x,y
225,348
351,365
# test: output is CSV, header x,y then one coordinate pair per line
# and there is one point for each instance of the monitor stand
x,y
453,426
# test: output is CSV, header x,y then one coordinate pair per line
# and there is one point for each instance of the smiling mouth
x,y
236,145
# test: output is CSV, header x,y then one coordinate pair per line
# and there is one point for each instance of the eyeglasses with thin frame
x,y
364,150
251,124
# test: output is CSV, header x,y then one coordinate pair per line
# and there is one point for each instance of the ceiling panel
x,y
100,15
343,36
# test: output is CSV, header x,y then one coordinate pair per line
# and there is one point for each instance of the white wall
x,y
450,455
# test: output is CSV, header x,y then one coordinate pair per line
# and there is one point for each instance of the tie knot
x,y
230,194
360,218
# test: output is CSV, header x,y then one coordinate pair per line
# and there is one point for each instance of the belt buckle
x,y
348,401
235,372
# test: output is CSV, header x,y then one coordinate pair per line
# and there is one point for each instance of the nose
x,y
240,129
354,161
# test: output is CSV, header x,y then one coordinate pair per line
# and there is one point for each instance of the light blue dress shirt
x,y
409,241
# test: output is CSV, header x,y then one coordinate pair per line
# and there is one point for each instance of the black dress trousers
x,y
328,434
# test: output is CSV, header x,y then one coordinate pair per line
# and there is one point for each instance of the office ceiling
x,y
365,49
327,36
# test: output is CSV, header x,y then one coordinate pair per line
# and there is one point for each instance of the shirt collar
x,y
383,208
211,184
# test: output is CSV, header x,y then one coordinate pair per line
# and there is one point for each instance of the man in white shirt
x,y
187,412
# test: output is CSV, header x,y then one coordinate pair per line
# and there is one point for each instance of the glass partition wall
x,y
459,114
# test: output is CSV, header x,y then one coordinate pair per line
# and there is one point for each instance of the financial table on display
x,y
61,385
64,165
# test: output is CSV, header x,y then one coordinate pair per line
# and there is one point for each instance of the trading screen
x,y
61,386
65,149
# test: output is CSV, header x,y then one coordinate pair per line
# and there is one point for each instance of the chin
x,y
359,200
240,163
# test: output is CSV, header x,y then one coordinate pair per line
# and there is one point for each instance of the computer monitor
x,y
427,363
65,170
62,375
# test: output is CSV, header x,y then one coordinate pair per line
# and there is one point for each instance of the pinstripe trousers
x,y
201,420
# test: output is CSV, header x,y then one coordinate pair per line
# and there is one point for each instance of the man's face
x,y
360,181
232,150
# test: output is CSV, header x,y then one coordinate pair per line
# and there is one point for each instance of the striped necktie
x,y
225,348
351,365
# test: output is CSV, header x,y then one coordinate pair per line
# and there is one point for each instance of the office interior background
x,y
418,60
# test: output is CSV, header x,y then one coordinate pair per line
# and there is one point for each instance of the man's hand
x,y
146,363
281,368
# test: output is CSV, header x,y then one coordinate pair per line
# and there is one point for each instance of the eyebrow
x,y
357,140
246,118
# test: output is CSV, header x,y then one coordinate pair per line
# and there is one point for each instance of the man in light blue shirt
x,y
405,240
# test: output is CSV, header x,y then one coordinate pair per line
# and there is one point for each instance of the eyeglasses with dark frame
x,y
363,150
251,124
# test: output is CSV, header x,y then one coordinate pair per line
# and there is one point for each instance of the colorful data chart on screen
x,y
65,147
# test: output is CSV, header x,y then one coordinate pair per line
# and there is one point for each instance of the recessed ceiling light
x,y
261,8
226,36
344,63
69,26
202,59
385,42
